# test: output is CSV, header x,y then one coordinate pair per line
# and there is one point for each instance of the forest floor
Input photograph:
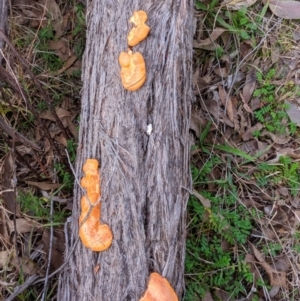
x,y
244,213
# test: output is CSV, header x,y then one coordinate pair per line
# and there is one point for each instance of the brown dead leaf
x,y
277,139
204,201
259,256
249,133
223,95
224,67
283,264
239,4
297,219
249,86
25,264
8,193
71,60
61,113
58,244
245,105
222,295
211,106
5,257
276,278
72,127
285,9
3,229
275,53
22,225
44,185
52,9
61,140
197,123
293,111
287,151
209,43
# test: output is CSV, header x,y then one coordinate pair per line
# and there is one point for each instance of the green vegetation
x,y
213,233
284,172
38,208
273,114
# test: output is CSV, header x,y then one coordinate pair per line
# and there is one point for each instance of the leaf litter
x,y
265,180
39,110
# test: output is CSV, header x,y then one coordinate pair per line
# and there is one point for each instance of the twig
x,y
18,290
13,133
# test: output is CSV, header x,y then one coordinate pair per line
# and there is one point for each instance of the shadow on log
x,y
144,178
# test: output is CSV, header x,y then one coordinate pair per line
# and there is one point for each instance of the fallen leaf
x,y
276,278
224,67
71,60
52,9
285,9
259,256
197,123
294,112
239,4
295,202
5,257
249,133
7,183
58,243
61,113
283,264
22,225
249,86
25,264
211,106
209,43
297,219
204,201
3,229
277,139
44,185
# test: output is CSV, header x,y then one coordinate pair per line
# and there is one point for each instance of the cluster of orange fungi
x,y
93,234
133,67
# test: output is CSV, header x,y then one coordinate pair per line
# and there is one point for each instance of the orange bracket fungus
x,y
133,71
159,289
93,235
140,31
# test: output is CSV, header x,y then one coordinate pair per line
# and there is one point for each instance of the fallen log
x,y
141,140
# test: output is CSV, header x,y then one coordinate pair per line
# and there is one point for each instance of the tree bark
x,y
144,178
3,24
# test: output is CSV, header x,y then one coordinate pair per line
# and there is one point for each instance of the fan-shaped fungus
x,y
93,235
159,289
133,71
140,32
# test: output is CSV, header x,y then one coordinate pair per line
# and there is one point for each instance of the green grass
x,y
213,233
38,208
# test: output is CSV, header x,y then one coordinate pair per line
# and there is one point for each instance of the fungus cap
x,y
159,289
93,234
141,31
138,17
133,76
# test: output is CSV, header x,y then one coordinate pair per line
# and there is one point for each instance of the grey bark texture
x,y
3,23
144,178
